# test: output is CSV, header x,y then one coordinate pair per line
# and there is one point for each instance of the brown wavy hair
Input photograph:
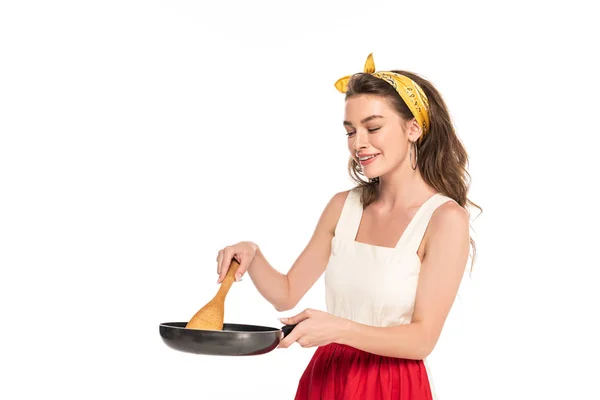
x,y
442,158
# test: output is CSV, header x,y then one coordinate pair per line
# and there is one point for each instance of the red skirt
x,y
338,372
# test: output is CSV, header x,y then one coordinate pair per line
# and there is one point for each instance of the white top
x,y
375,285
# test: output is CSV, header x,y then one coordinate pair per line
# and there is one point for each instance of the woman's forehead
x,y
362,107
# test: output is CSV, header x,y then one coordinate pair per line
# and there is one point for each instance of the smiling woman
x,y
393,249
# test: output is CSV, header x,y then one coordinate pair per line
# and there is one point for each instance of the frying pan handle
x,y
286,329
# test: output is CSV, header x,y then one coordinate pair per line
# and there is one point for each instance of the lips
x,y
367,159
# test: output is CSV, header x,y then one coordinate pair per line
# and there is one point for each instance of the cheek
x,y
392,147
386,143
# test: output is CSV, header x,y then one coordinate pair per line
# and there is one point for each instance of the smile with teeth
x,y
365,160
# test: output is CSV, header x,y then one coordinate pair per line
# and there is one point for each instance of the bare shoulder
x,y
337,201
449,226
450,214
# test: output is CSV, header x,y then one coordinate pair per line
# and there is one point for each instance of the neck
x,y
402,187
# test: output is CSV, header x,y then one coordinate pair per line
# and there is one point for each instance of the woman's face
x,y
377,137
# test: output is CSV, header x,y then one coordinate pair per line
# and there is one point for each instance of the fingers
x,y
226,256
244,264
219,259
242,253
297,318
290,339
297,335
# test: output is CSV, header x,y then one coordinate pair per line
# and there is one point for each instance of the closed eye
x,y
370,130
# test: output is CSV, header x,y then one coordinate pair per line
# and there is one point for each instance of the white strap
x,y
421,222
351,215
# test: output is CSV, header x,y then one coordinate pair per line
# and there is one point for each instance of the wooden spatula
x,y
211,316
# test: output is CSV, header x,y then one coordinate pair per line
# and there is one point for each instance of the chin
x,y
371,175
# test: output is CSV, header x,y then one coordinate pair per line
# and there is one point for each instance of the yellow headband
x,y
409,91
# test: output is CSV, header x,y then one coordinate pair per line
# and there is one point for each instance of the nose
x,y
360,140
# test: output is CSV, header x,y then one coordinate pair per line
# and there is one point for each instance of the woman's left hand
x,y
315,328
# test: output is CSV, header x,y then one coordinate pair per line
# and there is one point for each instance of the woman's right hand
x,y
242,252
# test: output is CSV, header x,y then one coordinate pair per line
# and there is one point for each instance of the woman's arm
x,y
284,291
442,269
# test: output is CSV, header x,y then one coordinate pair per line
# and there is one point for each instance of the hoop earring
x,y
414,146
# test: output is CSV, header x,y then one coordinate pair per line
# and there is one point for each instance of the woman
x,y
393,248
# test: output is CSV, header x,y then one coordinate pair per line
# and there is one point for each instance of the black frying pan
x,y
233,340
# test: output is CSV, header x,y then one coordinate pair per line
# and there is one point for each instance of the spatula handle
x,y
229,279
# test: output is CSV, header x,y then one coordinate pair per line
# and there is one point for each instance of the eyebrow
x,y
364,119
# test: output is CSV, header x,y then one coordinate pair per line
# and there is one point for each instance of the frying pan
x,y
233,340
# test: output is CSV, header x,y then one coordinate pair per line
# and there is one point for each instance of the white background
x,y
139,137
